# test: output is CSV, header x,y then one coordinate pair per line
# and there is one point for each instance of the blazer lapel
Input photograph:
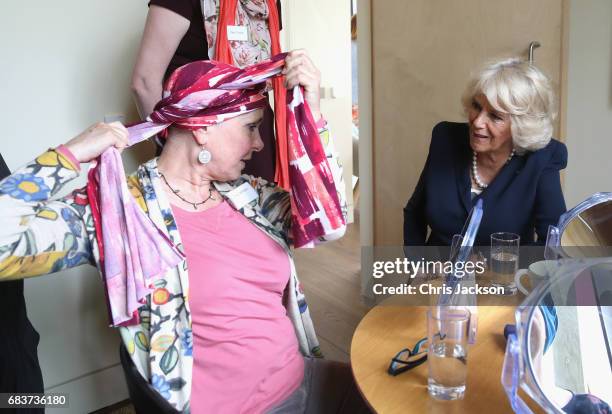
x,y
504,178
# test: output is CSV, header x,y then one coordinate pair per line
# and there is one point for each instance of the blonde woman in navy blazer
x,y
504,155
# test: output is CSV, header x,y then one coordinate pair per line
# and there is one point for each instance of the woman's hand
x,y
92,142
299,70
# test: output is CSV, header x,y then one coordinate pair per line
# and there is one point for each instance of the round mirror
x,y
569,339
591,227
585,230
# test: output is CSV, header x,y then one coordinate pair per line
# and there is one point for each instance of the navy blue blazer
x,y
524,198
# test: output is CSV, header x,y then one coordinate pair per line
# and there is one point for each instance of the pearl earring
x,y
204,156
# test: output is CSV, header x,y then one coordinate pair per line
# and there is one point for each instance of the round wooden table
x,y
387,329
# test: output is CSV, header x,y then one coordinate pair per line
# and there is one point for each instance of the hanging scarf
x,y
134,252
254,15
240,53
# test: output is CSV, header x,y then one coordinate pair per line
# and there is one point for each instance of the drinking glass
x,y
447,331
504,261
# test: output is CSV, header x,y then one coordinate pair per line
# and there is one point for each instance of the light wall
x,y
65,65
589,106
323,28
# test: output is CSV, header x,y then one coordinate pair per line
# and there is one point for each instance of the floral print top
x,y
40,235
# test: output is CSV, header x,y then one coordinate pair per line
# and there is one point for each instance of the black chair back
x,y
145,398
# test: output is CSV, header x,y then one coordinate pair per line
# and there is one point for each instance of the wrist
x,y
65,152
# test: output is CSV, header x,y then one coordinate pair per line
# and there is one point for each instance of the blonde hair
x,y
521,90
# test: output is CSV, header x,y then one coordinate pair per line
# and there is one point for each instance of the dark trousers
x,y
19,368
145,399
328,387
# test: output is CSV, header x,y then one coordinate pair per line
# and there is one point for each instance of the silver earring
x,y
204,156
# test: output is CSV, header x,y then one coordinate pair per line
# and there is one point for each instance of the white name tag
x,y
242,195
238,33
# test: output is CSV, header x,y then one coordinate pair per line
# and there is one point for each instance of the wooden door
x,y
423,52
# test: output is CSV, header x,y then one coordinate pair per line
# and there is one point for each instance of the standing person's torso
x,y
195,43
193,46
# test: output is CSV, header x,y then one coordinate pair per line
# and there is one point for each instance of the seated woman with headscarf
x,y
504,155
202,285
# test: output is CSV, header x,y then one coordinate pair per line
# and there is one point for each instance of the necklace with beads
x,y
475,175
177,191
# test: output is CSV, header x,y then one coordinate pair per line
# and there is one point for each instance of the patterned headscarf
x,y
205,93
133,251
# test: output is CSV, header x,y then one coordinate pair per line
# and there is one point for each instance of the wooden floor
x,y
330,276
331,281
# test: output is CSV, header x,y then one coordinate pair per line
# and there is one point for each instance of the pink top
x,y
246,356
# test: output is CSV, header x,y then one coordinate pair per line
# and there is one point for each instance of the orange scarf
x,y
223,53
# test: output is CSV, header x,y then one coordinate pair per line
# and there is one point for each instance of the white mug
x,y
537,272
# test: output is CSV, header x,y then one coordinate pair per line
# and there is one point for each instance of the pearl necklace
x,y
479,183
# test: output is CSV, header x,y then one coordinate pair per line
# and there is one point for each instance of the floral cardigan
x,y
40,235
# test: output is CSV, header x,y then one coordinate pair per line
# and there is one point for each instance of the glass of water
x,y
504,261
447,331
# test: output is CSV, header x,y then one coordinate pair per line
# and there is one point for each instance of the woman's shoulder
x,y
450,129
261,186
184,8
553,155
257,183
253,181
556,148
449,136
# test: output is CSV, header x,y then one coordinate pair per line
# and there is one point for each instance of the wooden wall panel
x,y
423,54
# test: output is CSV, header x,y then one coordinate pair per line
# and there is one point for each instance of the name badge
x,y
238,33
242,195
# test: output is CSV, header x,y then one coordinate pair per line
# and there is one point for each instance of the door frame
x,y
366,123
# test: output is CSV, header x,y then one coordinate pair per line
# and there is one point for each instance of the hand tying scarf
x,y
134,253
